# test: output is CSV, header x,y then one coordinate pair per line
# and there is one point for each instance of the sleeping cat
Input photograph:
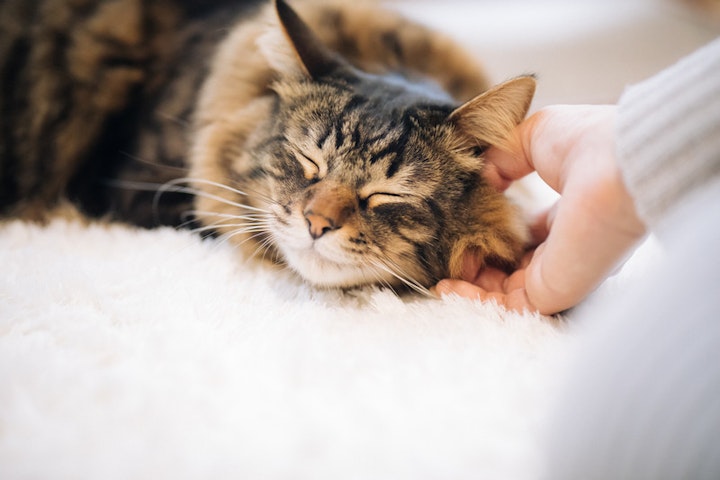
x,y
332,139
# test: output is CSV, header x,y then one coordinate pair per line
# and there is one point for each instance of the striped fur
x,y
333,140
88,86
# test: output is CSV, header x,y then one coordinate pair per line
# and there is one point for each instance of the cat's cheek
x,y
320,271
327,262
289,231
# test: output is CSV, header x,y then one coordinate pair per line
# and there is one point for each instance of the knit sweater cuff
x,y
668,138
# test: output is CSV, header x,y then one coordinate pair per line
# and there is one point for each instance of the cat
x,y
340,140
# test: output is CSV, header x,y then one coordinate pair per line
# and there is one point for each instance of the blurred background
x,y
583,51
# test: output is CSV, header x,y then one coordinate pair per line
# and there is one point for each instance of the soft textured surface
x,y
137,354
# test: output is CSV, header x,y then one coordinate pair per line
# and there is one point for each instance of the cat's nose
x,y
328,207
319,225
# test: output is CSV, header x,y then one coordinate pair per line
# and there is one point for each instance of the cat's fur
x,y
332,139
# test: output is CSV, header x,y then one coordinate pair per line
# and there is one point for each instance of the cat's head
x,y
375,179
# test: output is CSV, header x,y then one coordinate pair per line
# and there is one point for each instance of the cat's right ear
x,y
490,118
316,59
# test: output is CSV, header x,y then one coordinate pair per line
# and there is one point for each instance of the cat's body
x,y
97,90
339,149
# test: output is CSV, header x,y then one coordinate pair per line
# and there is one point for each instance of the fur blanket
x,y
153,354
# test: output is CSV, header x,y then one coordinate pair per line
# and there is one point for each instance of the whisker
x,y
421,287
246,229
249,216
227,236
175,119
264,245
234,218
250,193
207,182
154,164
254,218
175,186
133,185
386,265
381,281
179,185
255,225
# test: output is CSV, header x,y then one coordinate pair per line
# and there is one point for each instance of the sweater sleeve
x,y
668,138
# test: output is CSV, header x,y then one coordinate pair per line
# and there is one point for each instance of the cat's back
x,y
78,81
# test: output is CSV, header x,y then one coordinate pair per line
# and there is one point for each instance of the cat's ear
x,y
316,59
489,118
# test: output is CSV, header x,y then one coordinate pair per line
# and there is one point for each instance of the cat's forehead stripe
x,y
348,111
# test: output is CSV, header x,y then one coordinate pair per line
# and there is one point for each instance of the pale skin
x,y
578,242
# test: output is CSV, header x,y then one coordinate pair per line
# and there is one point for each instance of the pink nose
x,y
328,207
318,225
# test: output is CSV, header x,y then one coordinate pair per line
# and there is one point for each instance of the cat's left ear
x,y
490,117
316,59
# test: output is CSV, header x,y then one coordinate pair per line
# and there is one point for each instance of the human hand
x,y
579,240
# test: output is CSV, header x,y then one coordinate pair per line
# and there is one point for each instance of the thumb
x,y
511,162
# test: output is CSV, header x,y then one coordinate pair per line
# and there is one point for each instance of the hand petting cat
x,y
578,242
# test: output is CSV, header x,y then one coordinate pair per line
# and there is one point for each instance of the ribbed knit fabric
x,y
642,400
669,132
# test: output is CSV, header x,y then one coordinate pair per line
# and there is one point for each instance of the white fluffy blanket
x,y
152,354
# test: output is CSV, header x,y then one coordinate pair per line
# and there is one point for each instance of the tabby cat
x,y
332,138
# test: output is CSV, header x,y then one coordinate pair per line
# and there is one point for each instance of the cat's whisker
x,y
246,227
178,186
158,188
224,238
380,280
138,159
249,216
146,187
134,185
219,217
175,119
174,187
249,193
387,266
409,281
191,180
265,245
227,220
247,189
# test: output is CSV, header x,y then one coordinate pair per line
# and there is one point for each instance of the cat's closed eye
x,y
380,198
311,168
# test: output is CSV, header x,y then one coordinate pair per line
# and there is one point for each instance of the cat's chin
x,y
325,273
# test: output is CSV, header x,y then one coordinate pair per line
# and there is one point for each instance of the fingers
x,y
514,300
587,231
475,271
491,279
503,167
495,178
488,283
578,254
492,284
466,289
541,225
